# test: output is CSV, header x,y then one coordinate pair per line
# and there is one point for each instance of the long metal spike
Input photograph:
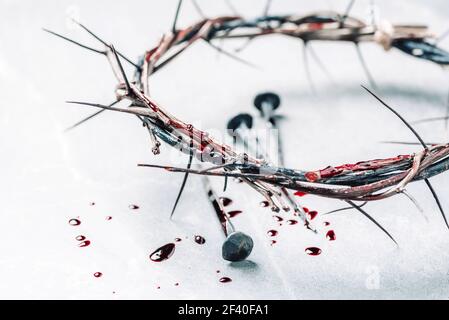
x,y
365,67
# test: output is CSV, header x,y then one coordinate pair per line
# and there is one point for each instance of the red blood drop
x,y
313,251
84,243
200,240
234,213
278,219
273,242
330,235
292,222
305,209
92,203
176,284
326,223
74,222
218,271
108,218
300,193
264,204
163,253
133,207
225,279
80,238
272,233
225,201
312,214
178,239
98,275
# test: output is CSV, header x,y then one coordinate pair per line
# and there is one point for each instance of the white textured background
x,y
48,177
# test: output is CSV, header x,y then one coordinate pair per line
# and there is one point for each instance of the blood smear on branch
x,y
300,193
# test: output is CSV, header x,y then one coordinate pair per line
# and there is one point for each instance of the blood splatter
x,y
200,240
225,279
108,218
74,222
98,275
278,218
312,214
326,223
133,207
300,193
92,203
292,222
330,235
264,204
80,238
225,201
163,253
272,233
313,251
178,239
84,243
234,213
273,242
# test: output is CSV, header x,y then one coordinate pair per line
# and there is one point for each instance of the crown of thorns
x,y
362,181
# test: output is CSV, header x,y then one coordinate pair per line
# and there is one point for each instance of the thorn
x,y
372,219
320,64
407,143
345,15
198,9
230,55
267,8
437,200
365,67
431,119
184,180
125,79
415,202
344,209
399,116
307,69
106,44
88,118
75,42
178,9
225,183
232,8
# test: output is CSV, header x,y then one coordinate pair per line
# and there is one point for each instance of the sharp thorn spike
x,y
399,116
74,42
365,67
372,220
437,200
307,68
184,181
230,55
106,44
125,79
88,118
344,209
178,9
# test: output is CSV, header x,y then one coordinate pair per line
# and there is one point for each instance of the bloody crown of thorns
x,y
362,181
